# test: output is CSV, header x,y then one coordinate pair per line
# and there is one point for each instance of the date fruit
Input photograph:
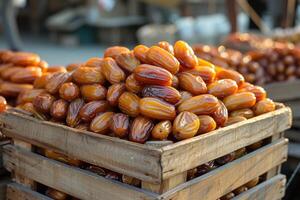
x,y
184,96
29,95
129,104
157,109
3,104
230,74
166,93
88,75
233,120
140,52
264,106
207,124
43,102
94,62
140,129
246,112
26,75
258,91
193,84
114,51
166,46
56,80
152,75
222,88
73,118
162,58
120,125
161,130
204,104
91,109
239,101
93,92
100,124
127,61
13,89
185,125
69,91
133,85
208,74
25,59
114,92
185,54
112,72
221,114
59,109
40,82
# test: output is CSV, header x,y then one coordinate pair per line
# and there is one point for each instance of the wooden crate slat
x,y
108,152
229,177
271,189
18,192
71,180
188,154
283,91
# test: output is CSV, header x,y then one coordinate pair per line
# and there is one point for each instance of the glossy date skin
x,y
140,129
185,125
166,93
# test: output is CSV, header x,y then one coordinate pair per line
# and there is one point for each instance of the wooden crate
x,y
162,169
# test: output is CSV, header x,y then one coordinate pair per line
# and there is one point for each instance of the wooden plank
x,y
225,179
283,91
18,192
188,154
3,182
272,189
71,180
118,155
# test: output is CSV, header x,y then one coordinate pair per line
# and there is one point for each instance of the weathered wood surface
x,y
118,155
71,180
272,189
225,179
283,91
191,153
18,192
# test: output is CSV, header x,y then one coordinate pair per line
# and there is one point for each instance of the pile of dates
x,y
276,64
157,93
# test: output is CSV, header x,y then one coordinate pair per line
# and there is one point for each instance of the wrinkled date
x,y
184,96
221,114
258,91
112,72
246,112
73,118
40,82
230,74
140,52
185,54
133,85
69,91
193,84
88,75
120,125
129,104
59,109
56,80
166,46
101,123
114,51
208,74
157,109
91,109
166,93
223,88
93,92
185,125
207,124
152,75
264,106
114,92
127,61
26,75
140,129
29,95
239,101
43,102
161,130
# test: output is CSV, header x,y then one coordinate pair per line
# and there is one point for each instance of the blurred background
x,y
71,31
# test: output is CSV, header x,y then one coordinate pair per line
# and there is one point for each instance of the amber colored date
x,y
152,75
185,125
246,112
43,102
56,80
114,51
41,81
162,58
69,91
161,130
140,52
193,84
258,91
25,59
133,85
264,106
120,125
233,120
252,183
185,54
9,72
207,124
93,92
230,74
204,104
140,129
239,101
3,104
91,109
127,61
184,96
100,124
59,109
94,62
166,93
204,63
55,69
166,46
88,75
129,104
222,88
26,75
221,114
55,194
73,66
208,74
73,118
112,72
114,92
157,109
29,95
13,89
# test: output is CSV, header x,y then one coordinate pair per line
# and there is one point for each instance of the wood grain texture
x,y
225,179
187,154
118,155
272,189
18,192
71,180
285,91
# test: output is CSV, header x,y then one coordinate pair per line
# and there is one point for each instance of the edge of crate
x,y
140,161
16,191
83,184
71,180
271,189
225,179
283,91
